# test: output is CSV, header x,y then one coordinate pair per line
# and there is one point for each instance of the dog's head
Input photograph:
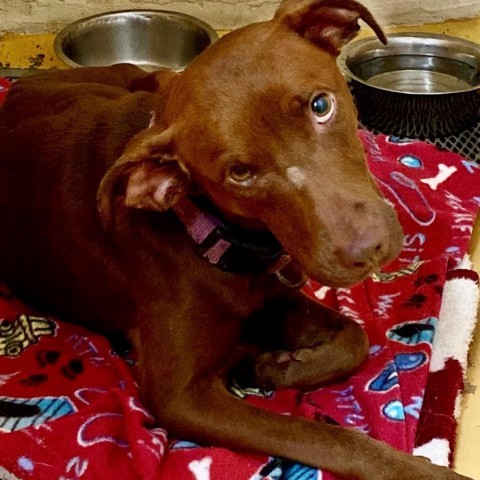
x,y
263,123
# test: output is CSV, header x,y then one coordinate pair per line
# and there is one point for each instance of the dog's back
x,y
43,170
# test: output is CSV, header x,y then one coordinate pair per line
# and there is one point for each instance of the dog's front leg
x,y
305,344
180,384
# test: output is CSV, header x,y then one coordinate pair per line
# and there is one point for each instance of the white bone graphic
x,y
201,468
444,172
321,293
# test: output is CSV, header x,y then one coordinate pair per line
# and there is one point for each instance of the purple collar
x,y
232,248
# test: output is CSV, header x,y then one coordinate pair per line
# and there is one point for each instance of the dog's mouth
x,y
238,249
347,279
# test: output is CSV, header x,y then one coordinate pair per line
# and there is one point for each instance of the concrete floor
x,y
36,51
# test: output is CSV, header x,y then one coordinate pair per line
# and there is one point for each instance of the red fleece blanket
x,y
70,409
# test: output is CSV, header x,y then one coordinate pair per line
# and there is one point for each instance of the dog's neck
x,y
224,244
228,246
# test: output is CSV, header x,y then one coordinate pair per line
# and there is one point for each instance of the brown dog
x,y
112,187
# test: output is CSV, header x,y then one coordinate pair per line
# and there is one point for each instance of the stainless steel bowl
x,y
418,85
151,39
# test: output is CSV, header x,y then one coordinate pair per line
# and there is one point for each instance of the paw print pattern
x,y
72,369
34,380
417,300
49,359
431,279
426,280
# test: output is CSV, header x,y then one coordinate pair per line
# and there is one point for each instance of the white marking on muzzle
x,y
297,176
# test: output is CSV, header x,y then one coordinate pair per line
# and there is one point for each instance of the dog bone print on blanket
x,y
70,409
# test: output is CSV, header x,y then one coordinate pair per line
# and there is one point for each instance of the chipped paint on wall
x,y
39,16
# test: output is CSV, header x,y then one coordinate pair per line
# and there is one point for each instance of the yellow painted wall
x,y
40,16
24,51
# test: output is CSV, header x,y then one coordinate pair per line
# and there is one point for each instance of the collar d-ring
x,y
291,276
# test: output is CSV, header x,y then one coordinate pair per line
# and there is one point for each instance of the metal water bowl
x,y
418,85
151,39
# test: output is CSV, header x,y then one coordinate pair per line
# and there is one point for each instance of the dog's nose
x,y
367,251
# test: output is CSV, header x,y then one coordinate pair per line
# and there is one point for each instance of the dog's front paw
x,y
304,368
280,369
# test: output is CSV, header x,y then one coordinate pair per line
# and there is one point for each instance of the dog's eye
x,y
240,173
323,107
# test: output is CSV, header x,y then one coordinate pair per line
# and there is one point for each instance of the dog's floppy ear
x,y
330,24
147,175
